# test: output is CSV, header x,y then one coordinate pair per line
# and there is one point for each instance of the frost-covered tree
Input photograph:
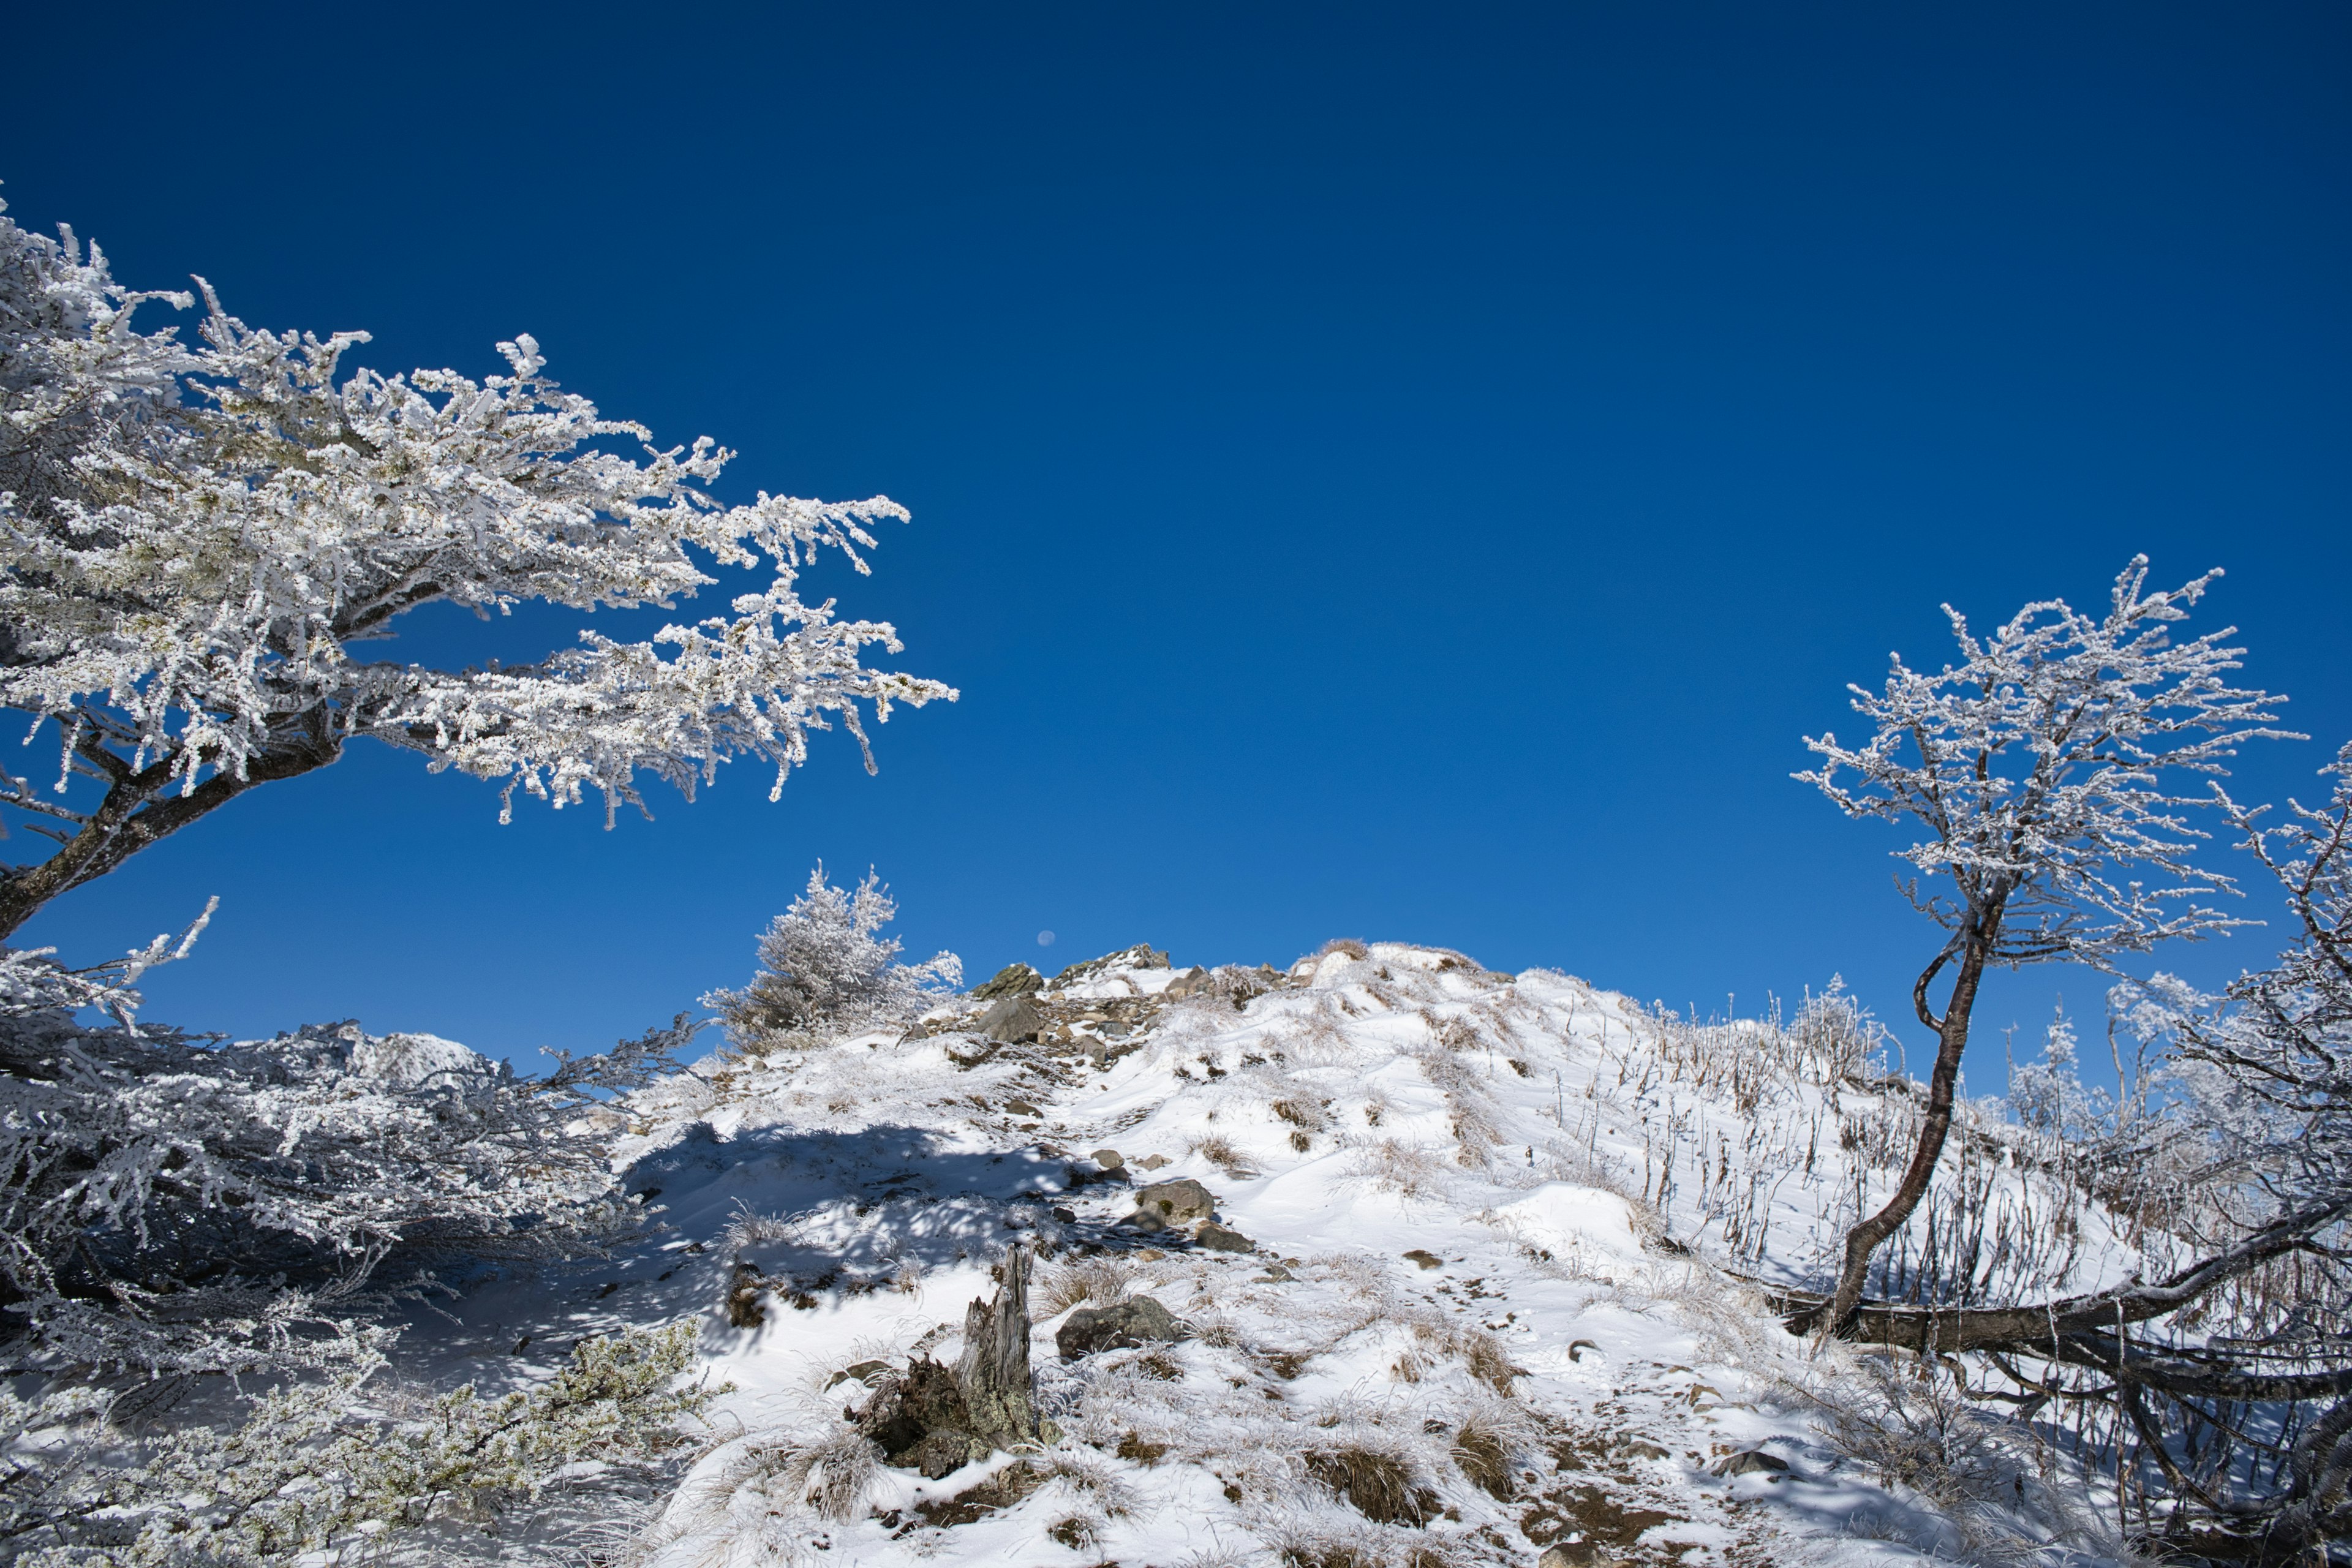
x,y
825,970
2038,772
196,540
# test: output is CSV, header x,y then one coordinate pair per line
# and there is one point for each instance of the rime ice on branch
x,y
193,540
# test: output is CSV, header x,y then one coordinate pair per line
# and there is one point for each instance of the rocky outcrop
x,y
1012,980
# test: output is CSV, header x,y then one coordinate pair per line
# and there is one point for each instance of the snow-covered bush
x,y
171,1207
824,972
317,1462
193,540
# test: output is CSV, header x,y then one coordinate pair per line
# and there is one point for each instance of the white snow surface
x,y
1443,1172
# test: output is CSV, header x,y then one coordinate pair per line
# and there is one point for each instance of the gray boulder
x,y
1218,1238
1140,1322
1010,1018
1182,1199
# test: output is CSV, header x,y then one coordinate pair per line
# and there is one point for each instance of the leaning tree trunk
x,y
994,1374
1943,1085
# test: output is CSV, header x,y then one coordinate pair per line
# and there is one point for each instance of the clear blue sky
x,y
1379,471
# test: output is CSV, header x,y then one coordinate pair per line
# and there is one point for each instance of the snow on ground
x,y
1482,1313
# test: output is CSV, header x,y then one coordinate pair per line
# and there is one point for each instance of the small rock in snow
x,y
1218,1238
1182,1199
1752,1461
1108,1159
1153,1162
1141,1320
1184,985
1577,1554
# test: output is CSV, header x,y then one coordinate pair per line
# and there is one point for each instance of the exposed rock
x,y
1184,985
869,1373
1136,1321
1217,1238
1142,955
1010,1018
743,1293
1579,1554
1752,1461
1145,1220
1107,1158
1012,980
1151,1161
1020,1108
1182,1199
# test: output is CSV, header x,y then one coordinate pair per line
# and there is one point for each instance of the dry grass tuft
x,y
1103,1280
1376,1484
1220,1153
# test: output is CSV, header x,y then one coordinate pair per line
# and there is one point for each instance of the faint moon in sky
x,y
1045,939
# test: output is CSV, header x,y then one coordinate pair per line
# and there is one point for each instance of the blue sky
x,y
1379,471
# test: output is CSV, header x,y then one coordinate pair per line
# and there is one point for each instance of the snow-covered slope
x,y
1472,1294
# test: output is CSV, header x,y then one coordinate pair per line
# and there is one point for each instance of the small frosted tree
x,y
196,540
824,969
2038,770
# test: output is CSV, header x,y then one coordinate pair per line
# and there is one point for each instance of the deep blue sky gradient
x,y
1403,472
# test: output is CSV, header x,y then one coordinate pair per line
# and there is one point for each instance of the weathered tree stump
x,y
993,1375
930,1420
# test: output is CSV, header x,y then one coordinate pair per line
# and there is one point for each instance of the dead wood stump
x,y
993,1375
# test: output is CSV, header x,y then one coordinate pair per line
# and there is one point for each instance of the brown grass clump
x,y
1375,1485
1346,944
1480,1453
1224,1157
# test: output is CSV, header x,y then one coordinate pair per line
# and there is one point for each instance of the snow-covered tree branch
x,y
194,539
2038,769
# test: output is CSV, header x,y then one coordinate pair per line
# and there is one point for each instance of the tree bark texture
x,y
1943,1085
994,1375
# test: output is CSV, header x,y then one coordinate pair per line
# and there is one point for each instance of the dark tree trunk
x,y
1943,1085
994,1372
140,808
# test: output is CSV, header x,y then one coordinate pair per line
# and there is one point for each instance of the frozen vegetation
x,y
1382,1258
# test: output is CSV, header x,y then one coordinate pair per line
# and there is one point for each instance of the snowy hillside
x,y
1465,1295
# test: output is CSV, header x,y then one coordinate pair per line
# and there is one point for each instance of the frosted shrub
x,y
311,1465
823,972
170,1208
